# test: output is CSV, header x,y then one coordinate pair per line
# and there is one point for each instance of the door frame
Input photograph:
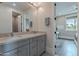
x,y
78,30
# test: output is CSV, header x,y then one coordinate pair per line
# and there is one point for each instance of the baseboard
x,y
64,37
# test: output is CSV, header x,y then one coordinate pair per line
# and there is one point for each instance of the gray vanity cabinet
x,y
33,47
10,46
18,48
11,53
41,44
23,49
10,49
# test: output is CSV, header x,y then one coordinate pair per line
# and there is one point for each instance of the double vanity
x,y
29,44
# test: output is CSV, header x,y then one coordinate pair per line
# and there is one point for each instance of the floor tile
x,y
66,47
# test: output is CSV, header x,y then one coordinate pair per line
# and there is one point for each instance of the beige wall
x,y
38,18
5,19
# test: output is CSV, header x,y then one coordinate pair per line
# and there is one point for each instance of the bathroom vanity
x,y
33,44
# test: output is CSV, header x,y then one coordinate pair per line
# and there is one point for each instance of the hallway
x,y
66,48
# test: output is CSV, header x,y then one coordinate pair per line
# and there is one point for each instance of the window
x,y
71,23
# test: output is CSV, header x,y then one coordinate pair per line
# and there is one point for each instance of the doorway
x,y
66,28
15,25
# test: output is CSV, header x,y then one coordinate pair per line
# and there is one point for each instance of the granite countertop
x,y
5,40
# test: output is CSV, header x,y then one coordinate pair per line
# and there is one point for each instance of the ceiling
x,y
21,6
63,8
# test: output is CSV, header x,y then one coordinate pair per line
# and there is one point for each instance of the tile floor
x,y
65,48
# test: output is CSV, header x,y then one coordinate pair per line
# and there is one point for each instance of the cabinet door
x,y
22,42
33,52
11,53
33,47
23,51
41,44
10,46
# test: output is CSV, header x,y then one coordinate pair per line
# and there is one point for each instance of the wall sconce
x,y
47,21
